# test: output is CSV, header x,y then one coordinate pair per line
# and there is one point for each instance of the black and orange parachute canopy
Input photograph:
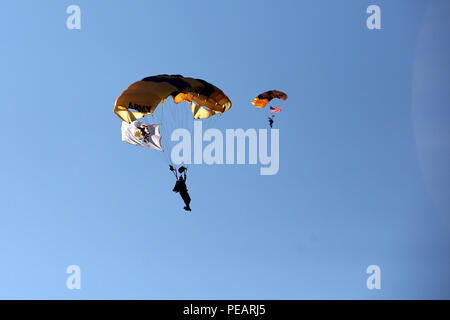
x,y
264,98
145,95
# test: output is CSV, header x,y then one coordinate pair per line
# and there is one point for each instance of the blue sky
x,y
358,183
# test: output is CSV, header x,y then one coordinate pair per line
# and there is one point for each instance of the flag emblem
x,y
275,110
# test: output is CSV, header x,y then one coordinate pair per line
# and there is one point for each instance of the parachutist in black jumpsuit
x,y
180,186
270,122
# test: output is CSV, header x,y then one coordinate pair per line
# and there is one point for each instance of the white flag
x,y
142,134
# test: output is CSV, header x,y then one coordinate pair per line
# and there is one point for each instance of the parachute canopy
x,y
144,96
264,98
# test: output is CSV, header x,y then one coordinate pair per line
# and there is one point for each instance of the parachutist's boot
x,y
187,208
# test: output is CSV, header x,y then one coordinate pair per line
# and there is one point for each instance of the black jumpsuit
x,y
180,186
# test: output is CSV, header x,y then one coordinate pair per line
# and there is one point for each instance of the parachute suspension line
x,y
175,119
173,116
166,133
187,121
169,122
214,119
162,126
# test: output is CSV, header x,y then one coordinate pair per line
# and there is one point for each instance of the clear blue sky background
x,y
352,190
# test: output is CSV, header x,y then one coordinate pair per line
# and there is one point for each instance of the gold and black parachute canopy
x,y
264,98
145,95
